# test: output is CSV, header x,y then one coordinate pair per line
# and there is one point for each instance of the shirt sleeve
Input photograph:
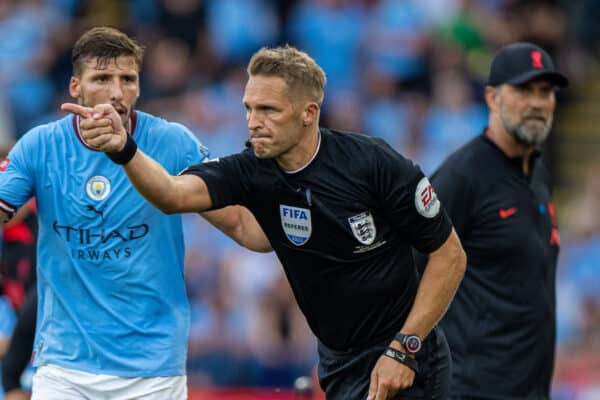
x,y
227,179
17,177
410,201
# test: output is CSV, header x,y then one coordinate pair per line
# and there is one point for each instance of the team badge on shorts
x,y
363,227
295,223
97,188
426,200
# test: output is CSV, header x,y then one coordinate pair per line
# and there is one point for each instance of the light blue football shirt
x,y
110,278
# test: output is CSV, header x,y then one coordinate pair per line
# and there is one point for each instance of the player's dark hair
x,y
105,44
301,73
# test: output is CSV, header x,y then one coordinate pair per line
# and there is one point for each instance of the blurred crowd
x,y
410,71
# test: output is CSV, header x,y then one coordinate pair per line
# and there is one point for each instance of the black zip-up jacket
x,y
501,324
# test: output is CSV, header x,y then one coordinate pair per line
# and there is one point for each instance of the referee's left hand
x,y
388,378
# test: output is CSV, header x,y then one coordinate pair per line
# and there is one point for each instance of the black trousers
x,y
346,375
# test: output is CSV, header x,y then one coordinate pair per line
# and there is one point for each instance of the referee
x,y
341,211
496,189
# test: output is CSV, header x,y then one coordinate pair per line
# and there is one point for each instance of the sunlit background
x,y
410,71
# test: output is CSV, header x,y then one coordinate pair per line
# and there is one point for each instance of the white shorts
x,y
51,382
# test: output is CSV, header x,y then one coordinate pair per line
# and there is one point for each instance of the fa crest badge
x,y
363,227
97,188
296,224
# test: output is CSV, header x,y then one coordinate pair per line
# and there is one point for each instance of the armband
x,y
126,153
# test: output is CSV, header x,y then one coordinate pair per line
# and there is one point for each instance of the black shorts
x,y
346,375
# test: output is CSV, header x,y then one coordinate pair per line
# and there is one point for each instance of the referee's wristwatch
x,y
411,343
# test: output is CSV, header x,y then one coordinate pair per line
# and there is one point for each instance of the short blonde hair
x,y
301,73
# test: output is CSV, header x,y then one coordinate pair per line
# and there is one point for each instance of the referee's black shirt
x,y
501,324
342,228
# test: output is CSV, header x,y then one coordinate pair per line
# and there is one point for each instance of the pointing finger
x,y
84,112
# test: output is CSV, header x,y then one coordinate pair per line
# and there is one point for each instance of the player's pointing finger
x,y
84,112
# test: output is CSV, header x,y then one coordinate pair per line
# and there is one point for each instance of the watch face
x,y
413,344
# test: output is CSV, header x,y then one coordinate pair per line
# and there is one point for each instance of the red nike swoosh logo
x,y
507,213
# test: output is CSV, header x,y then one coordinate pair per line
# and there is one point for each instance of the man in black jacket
x,y
496,189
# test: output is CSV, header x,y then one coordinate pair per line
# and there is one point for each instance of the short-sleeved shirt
x,y
501,324
343,228
110,265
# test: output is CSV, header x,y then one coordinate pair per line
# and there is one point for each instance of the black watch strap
x,y
412,343
402,358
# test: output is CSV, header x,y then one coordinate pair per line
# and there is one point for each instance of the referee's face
x,y
112,81
274,122
527,110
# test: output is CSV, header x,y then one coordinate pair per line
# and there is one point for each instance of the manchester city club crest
x,y
97,188
296,224
363,227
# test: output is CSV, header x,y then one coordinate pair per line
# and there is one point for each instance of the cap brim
x,y
555,77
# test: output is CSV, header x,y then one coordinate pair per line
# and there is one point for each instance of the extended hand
x,y
388,378
101,127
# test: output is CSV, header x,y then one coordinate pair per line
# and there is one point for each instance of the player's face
x,y
115,82
274,121
527,110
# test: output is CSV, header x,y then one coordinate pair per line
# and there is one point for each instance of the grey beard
x,y
526,136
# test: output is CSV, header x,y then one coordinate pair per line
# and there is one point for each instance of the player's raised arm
x,y
101,128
